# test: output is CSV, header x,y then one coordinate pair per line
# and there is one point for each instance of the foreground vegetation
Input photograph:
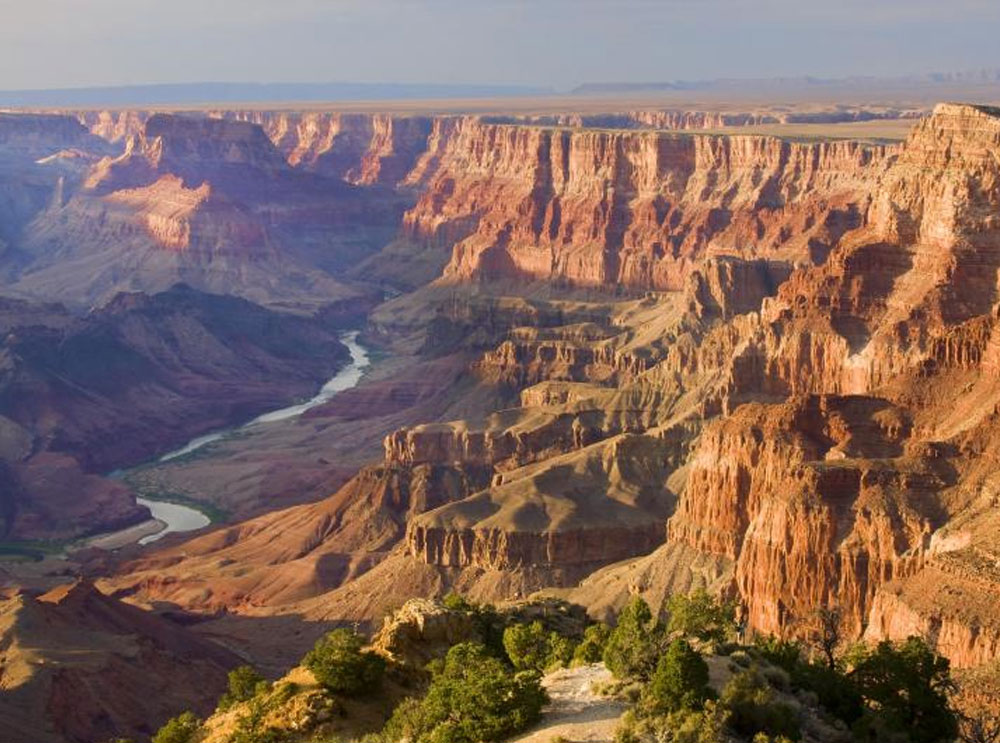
x,y
685,677
776,690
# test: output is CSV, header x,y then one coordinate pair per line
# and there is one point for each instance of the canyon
x,y
613,354
83,395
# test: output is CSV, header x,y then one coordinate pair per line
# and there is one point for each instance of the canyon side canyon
x,y
613,354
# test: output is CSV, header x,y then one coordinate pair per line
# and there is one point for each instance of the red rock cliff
x,y
633,208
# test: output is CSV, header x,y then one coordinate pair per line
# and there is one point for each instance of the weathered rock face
x,y
807,417
114,126
595,505
800,498
840,499
366,149
423,630
208,201
950,602
632,208
504,550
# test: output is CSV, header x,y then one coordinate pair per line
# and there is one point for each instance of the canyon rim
x,y
358,411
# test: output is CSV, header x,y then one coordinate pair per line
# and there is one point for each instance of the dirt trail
x,y
576,713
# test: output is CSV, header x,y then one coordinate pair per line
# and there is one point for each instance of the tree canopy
x,y
906,686
473,698
633,648
339,662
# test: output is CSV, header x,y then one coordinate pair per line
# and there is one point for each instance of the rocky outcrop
x,y
198,148
505,550
208,201
633,208
802,500
532,361
366,149
81,666
951,602
603,503
779,357
114,126
423,630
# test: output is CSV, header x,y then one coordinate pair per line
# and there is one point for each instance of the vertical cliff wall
x,y
633,208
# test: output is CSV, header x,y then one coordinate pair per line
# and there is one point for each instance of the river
x,y
179,518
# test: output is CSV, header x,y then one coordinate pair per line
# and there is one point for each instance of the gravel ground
x,y
576,713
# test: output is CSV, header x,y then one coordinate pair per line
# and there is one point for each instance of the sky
x,y
560,43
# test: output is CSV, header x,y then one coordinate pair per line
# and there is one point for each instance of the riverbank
x,y
178,513
129,535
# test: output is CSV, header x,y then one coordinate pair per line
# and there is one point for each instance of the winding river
x,y
180,518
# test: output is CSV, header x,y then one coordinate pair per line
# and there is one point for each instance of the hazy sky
x,y
69,43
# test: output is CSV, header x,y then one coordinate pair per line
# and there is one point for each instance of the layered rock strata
x,y
795,387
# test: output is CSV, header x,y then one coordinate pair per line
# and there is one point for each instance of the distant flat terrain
x,y
880,130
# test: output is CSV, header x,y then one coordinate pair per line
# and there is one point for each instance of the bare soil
x,y
577,713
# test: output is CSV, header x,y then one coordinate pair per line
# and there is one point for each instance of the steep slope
x,y
81,666
41,157
852,498
804,415
209,202
364,149
531,496
131,379
632,208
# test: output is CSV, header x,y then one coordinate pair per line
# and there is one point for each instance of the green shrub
x,y
680,681
180,729
754,708
244,684
488,622
634,645
339,663
473,698
683,726
777,677
626,731
561,651
527,646
250,727
457,602
834,691
531,647
785,654
591,648
740,658
906,689
704,726
700,616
